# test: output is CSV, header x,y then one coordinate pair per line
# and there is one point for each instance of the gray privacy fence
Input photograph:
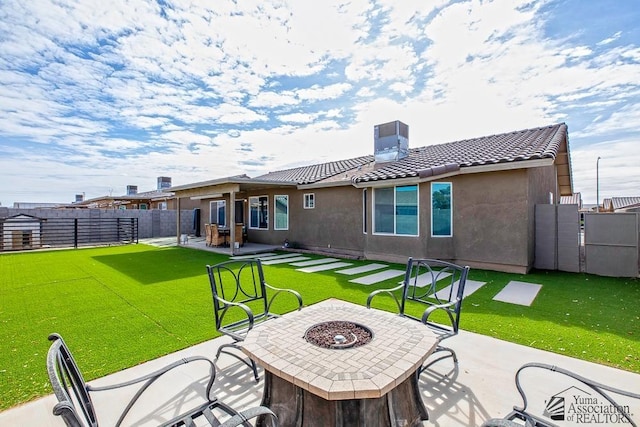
x,y
607,244
611,244
33,228
26,232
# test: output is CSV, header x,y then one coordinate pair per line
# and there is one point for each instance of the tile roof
x,y
315,173
530,144
574,199
624,202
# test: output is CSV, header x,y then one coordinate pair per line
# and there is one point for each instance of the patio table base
x,y
294,406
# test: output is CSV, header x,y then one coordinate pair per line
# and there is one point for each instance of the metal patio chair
x,y
241,300
438,286
76,407
555,406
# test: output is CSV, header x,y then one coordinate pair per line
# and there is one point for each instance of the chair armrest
x,y
149,379
247,414
230,304
445,307
599,388
278,291
390,292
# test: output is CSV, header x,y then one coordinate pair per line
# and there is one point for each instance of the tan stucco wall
x,y
493,221
335,222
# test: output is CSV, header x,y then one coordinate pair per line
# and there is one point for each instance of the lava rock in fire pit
x,y
338,334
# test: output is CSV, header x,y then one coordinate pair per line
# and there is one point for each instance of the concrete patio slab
x,y
480,387
314,262
377,277
362,269
324,267
521,293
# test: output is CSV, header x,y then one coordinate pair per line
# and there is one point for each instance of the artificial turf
x,y
120,306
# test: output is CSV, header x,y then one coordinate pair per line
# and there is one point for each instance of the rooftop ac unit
x,y
391,141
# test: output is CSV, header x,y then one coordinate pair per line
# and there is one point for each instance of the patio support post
x,y
178,220
232,222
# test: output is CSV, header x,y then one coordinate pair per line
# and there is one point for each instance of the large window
x,y
281,213
396,210
218,213
441,210
259,212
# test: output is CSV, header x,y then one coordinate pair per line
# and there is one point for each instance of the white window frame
x,y
275,212
395,222
450,210
309,200
364,210
251,227
214,207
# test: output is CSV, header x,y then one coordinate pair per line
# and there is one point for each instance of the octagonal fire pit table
x,y
340,364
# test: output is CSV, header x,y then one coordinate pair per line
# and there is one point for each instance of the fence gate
x,y
557,238
611,244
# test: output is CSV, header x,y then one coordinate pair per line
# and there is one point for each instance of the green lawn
x,y
120,306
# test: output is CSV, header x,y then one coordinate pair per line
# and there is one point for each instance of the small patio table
x,y
375,384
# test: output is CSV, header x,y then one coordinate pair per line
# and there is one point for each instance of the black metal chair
x,y
76,407
555,410
240,302
425,283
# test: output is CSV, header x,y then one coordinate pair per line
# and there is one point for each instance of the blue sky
x,y
97,95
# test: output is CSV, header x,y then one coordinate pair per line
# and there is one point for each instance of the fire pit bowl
x,y
338,334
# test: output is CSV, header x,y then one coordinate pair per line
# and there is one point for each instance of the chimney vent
x,y
164,182
391,141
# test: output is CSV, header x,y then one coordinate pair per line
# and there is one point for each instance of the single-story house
x,y
160,198
621,204
470,202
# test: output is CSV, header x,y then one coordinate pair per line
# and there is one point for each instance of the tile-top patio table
x,y
374,384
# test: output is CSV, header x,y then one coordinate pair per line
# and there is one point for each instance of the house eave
x,y
508,166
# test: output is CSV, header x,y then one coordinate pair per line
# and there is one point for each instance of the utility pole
x,y
598,184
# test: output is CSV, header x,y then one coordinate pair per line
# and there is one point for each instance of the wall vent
x,y
391,141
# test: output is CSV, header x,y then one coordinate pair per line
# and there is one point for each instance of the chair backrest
x,y
238,282
435,282
69,386
207,230
238,233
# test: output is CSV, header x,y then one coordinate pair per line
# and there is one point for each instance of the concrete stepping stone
x,y
362,269
324,267
469,288
377,277
520,293
425,279
266,254
314,262
284,260
281,256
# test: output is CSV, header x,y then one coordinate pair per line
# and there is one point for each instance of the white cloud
x,y
110,88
